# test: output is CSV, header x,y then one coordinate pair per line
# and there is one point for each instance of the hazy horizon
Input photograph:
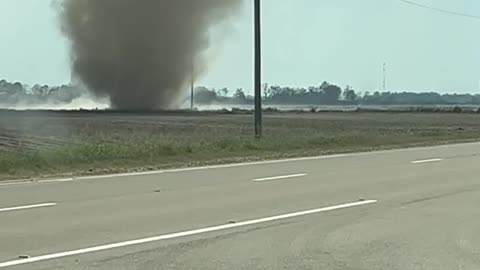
x,y
305,42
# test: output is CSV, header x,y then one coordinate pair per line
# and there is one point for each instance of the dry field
x,y
39,144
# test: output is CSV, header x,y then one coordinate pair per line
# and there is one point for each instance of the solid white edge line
x,y
15,208
280,177
253,163
427,160
56,180
117,175
26,182
180,234
15,183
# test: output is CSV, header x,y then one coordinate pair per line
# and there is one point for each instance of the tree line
x,y
323,94
17,93
331,94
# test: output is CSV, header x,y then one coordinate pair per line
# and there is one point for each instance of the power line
x,y
440,10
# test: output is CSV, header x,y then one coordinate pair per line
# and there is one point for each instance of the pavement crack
x,y
439,196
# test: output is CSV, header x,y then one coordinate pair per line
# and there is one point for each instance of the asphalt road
x,y
401,209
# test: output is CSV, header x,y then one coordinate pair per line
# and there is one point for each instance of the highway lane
x,y
426,193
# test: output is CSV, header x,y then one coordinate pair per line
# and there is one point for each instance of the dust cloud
x,y
141,53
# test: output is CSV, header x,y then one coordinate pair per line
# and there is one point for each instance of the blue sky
x,y
305,42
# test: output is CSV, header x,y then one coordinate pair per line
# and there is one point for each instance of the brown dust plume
x,y
140,53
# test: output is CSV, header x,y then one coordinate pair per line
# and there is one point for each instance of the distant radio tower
x,y
384,77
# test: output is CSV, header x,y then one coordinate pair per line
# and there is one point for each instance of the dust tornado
x,y
140,53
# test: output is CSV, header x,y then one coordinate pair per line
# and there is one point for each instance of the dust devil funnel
x,y
140,53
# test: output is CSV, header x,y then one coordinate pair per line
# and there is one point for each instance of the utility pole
x,y
384,77
192,87
258,68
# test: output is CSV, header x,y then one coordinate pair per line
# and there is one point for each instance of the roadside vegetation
x,y
35,144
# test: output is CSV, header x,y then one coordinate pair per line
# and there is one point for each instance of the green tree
x,y
349,95
205,95
223,92
240,95
331,93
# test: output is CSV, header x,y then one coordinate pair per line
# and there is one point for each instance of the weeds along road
x,y
36,144
400,209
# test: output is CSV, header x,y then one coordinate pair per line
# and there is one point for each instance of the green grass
x,y
130,142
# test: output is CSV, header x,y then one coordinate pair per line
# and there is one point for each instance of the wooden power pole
x,y
258,68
